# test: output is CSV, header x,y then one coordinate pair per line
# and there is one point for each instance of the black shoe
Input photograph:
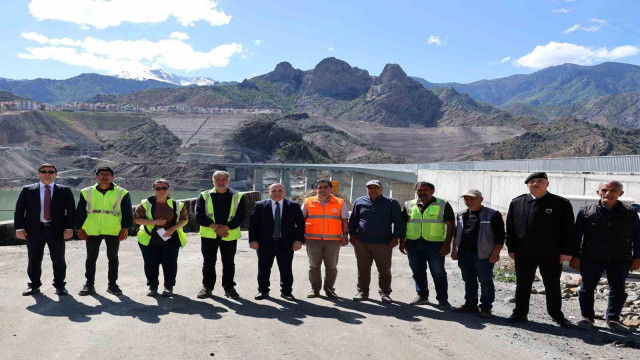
x,y
204,293
153,291
61,291
563,322
231,292
289,297
114,289
261,295
168,291
31,290
86,290
515,318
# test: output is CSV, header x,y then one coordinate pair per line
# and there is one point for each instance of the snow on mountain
x,y
165,76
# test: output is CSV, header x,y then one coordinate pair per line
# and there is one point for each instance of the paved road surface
x,y
134,326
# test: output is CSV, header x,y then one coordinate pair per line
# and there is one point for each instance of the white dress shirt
x,y
273,208
42,189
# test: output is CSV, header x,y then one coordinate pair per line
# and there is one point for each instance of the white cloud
x,y
435,40
177,35
119,55
505,59
560,53
596,25
102,14
331,48
560,11
257,42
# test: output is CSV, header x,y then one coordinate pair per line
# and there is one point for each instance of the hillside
x,y
79,88
565,137
7,96
622,110
555,85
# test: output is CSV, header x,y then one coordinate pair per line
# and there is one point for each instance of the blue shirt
x,y
376,221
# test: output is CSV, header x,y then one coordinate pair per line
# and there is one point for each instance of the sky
x,y
440,41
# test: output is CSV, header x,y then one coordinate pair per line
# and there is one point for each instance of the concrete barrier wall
x,y
500,187
7,231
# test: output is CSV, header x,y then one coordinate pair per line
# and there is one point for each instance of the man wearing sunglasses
x,y
103,212
44,215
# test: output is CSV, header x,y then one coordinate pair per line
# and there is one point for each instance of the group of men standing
x,y
540,234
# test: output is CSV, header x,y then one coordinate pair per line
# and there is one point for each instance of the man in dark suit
x,y
44,215
276,230
540,234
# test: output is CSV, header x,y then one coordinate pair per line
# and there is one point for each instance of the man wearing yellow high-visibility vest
x,y
219,212
103,212
430,224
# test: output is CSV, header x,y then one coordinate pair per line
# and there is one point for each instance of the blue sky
x,y
440,41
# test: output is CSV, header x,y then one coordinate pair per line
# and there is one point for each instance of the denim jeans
x,y
422,253
591,271
476,270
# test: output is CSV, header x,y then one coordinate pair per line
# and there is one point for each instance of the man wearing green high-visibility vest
x,y
219,212
103,212
429,232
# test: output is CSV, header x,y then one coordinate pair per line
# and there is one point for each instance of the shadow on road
x,y
67,306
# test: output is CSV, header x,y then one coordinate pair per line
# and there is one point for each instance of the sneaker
x,y
361,296
261,295
331,294
153,291
289,296
617,326
168,291
563,322
86,290
585,324
114,289
231,292
385,298
466,309
444,305
204,293
486,313
31,290
313,294
420,300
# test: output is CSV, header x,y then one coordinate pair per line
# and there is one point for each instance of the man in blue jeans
x,y
607,239
429,225
479,238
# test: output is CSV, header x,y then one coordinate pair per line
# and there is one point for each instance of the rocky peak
x,y
337,79
287,75
392,73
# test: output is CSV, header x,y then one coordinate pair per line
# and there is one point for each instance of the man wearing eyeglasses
x,y
103,212
44,215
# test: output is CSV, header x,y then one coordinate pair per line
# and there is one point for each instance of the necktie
x,y
47,203
276,221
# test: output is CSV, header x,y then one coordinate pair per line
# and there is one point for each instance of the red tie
x,y
47,202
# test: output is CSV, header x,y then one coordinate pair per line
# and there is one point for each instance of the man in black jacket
x,y
607,238
276,230
540,233
44,215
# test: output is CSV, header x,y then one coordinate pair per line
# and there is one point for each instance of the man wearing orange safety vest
x,y
326,229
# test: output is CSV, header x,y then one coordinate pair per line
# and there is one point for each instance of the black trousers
x,y
282,251
209,248
35,252
166,255
550,269
93,250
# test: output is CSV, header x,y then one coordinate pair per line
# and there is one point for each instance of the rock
x,y
632,323
289,78
510,299
633,298
536,278
534,290
337,79
603,282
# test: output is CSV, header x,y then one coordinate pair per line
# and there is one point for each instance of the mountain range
x,y
162,75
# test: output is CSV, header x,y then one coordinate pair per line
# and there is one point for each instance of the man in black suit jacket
x,y
44,215
273,241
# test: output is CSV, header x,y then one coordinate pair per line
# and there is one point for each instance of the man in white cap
x,y
479,238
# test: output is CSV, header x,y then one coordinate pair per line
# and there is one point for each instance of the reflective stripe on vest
x,y
429,224
144,233
323,222
207,232
104,215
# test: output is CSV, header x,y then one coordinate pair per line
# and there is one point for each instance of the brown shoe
x,y
466,309
313,294
485,313
331,294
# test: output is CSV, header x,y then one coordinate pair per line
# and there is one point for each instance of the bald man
x,y
276,230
